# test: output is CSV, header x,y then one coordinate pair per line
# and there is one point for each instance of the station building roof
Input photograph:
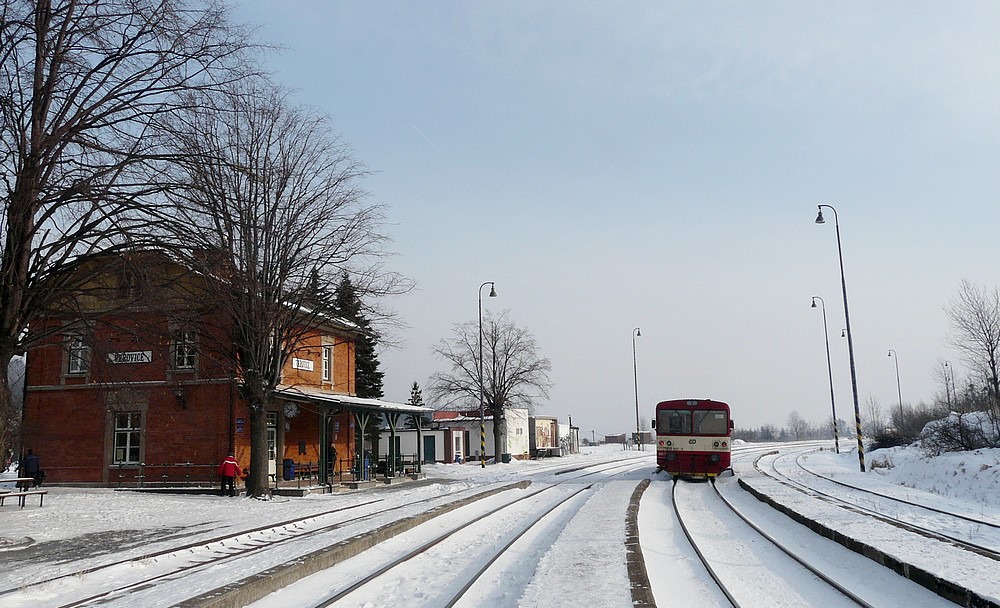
x,y
329,399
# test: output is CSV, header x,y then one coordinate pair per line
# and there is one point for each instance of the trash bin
x,y
505,458
288,469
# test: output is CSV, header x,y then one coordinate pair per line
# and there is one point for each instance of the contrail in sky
x,y
421,133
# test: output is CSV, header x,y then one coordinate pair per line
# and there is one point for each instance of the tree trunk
x,y
499,423
257,479
8,418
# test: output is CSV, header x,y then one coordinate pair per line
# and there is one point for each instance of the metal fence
x,y
177,474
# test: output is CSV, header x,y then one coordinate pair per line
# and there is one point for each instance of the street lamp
x,y
899,393
829,369
850,340
947,393
482,409
635,376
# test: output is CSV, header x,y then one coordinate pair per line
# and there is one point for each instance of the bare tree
x,y
274,212
797,425
513,373
975,320
876,421
82,85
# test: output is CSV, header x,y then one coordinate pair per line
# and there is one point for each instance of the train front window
x,y
672,422
711,422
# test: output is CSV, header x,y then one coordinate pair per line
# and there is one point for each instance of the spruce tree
x,y
417,398
368,376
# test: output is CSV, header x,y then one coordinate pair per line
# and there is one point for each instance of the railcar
x,y
693,437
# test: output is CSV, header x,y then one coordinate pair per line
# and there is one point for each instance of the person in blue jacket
x,y
32,467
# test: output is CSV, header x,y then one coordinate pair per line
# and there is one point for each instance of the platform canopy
x,y
327,399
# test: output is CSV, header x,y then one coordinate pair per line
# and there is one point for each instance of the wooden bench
x,y
22,496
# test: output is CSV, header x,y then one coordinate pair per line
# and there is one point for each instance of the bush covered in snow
x,y
960,432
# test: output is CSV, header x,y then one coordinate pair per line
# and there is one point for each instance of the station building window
x,y
127,437
79,355
185,349
327,363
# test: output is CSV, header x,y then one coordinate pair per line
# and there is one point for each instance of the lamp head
x,y
637,332
819,217
814,303
843,333
493,292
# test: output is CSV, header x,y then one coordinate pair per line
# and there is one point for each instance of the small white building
x,y
437,445
514,439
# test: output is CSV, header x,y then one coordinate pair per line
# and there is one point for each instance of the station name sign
x,y
303,364
136,356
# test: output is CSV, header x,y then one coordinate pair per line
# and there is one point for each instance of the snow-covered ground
x,y
580,562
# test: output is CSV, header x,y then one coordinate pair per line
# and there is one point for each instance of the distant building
x,y
467,424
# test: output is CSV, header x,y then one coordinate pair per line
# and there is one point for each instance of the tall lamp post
x,y
899,393
850,339
482,408
829,370
635,377
947,393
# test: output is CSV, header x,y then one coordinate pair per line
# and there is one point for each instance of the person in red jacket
x,y
229,470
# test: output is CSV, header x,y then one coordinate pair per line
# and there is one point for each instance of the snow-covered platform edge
x,y
949,590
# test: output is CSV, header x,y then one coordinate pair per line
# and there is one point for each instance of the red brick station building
x,y
144,394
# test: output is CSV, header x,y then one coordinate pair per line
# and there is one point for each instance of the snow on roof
x,y
310,394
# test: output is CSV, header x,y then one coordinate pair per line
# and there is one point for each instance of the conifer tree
x,y
417,398
368,376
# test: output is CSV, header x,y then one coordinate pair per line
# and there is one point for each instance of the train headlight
x,y
713,458
669,442
716,444
725,444
661,442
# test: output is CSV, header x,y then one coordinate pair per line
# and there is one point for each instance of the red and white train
x,y
693,437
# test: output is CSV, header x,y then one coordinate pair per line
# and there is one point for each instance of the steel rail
x,y
968,518
802,562
339,595
192,545
285,532
697,550
987,552
475,577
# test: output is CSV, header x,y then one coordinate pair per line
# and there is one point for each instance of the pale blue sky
x,y
658,164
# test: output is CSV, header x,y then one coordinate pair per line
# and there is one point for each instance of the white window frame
x,y
185,351
79,355
328,363
127,437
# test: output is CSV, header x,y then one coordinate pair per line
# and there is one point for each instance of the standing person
x,y
32,467
229,470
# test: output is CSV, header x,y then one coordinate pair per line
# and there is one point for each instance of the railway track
x,y
128,574
298,536
991,523
957,531
517,529
537,510
728,563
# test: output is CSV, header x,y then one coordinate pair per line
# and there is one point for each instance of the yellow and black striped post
x,y
482,442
